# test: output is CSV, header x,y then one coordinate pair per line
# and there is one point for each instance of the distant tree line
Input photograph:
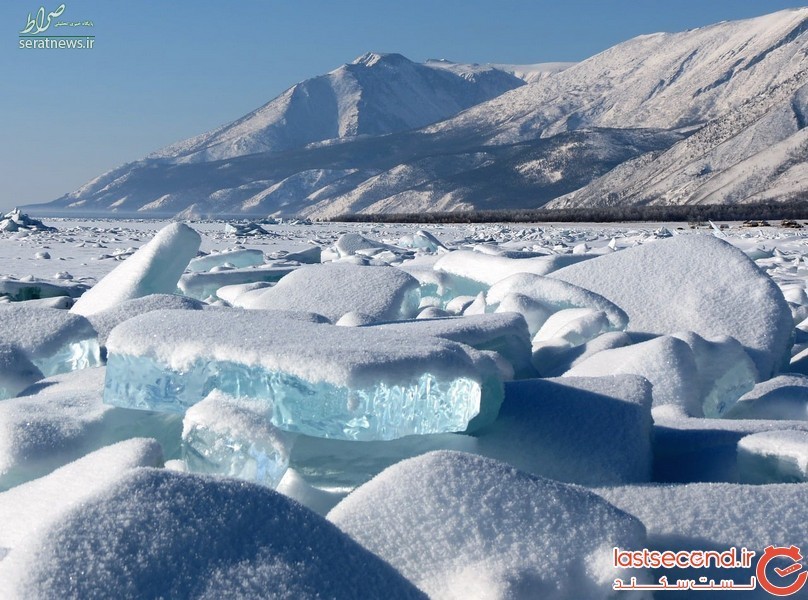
x,y
697,213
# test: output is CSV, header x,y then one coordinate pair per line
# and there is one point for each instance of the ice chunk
x,y
488,269
159,534
773,457
44,501
321,380
154,269
205,285
384,293
240,258
342,465
106,320
693,449
784,397
422,240
350,244
667,362
592,431
572,327
297,488
54,341
307,256
229,293
504,333
16,371
463,526
30,288
230,436
63,418
725,371
706,286
556,294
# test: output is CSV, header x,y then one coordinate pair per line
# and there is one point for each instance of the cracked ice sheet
x,y
367,384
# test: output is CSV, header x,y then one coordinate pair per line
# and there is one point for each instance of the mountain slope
x,y
374,95
715,114
663,80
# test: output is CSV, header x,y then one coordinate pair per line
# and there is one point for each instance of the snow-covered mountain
x,y
711,115
374,95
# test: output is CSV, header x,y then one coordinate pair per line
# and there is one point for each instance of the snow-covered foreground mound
x,y
450,397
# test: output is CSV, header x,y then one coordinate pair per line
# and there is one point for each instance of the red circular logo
x,y
772,552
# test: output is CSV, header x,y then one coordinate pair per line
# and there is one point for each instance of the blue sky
x,y
163,71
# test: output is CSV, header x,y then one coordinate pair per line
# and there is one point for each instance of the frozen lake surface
x,y
355,410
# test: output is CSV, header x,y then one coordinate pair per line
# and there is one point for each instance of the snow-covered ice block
x,y
572,327
422,240
783,397
384,293
553,360
694,283
667,362
229,293
31,505
30,288
342,465
62,418
55,341
16,371
205,285
350,244
773,457
505,333
592,431
698,449
320,380
534,312
223,435
464,526
106,320
240,258
716,516
307,256
725,371
154,269
556,295
159,534
488,269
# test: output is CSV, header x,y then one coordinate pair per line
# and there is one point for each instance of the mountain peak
x,y
369,59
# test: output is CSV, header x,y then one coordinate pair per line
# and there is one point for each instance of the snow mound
x,y
774,457
316,379
383,293
158,534
32,505
592,431
18,221
667,362
488,269
154,269
461,526
694,283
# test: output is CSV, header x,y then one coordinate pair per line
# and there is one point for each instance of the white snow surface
x,y
155,533
460,525
591,431
153,269
694,283
44,501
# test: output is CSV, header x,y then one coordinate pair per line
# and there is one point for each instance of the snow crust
x,y
457,524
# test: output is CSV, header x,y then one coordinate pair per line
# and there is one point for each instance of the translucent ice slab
x,y
316,379
223,435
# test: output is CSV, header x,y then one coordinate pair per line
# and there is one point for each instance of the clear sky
x,y
161,71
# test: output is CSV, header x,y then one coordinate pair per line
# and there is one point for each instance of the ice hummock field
x,y
480,411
